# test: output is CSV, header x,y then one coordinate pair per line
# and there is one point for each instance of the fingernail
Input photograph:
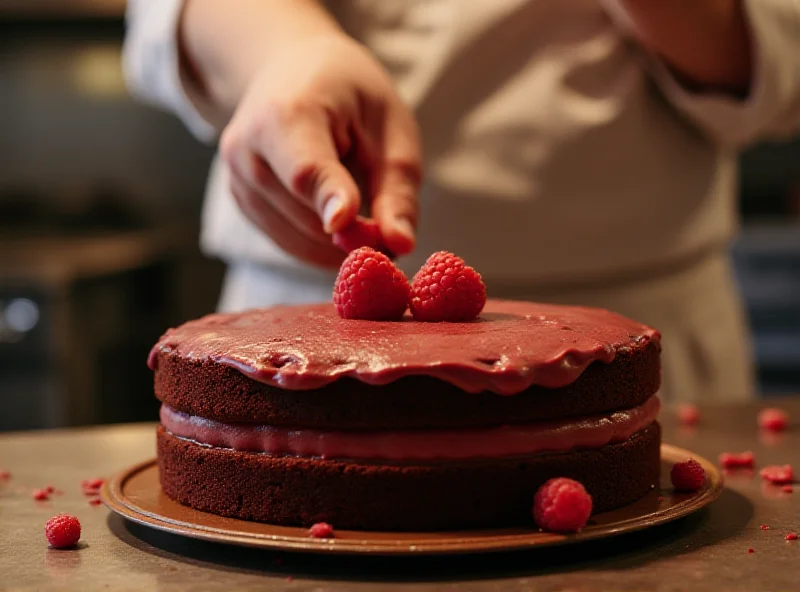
x,y
404,227
333,208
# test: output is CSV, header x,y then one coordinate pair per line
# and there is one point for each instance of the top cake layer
x,y
510,348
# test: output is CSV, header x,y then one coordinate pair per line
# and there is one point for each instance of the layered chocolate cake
x,y
293,415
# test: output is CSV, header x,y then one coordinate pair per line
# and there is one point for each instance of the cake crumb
x,y
732,460
688,414
95,501
787,488
773,419
777,474
4,475
40,495
751,550
764,527
792,536
321,530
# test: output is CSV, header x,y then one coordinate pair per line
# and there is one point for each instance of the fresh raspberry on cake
x,y
687,475
777,474
562,505
63,531
773,420
447,289
370,287
361,232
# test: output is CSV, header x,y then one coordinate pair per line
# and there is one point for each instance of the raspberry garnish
x,y
562,505
370,287
732,460
361,232
787,488
63,531
687,475
792,536
688,414
446,289
321,530
41,495
777,474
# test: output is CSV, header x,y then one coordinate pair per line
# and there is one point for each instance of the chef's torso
x,y
550,155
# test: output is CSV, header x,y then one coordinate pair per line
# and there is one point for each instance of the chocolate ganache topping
x,y
509,348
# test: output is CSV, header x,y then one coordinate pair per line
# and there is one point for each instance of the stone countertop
x,y
706,551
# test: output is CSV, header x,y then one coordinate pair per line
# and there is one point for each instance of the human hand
x,y
322,100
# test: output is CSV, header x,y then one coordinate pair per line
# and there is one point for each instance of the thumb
x,y
396,183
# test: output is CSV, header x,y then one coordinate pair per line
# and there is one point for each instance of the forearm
x,y
224,43
705,42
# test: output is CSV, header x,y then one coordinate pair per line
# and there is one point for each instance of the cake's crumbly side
x,y
478,494
218,392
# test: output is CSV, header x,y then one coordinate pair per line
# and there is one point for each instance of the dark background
x,y
99,207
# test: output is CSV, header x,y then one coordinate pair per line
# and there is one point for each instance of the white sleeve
x,y
151,62
772,108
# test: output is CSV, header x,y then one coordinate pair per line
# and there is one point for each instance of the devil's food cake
x,y
293,415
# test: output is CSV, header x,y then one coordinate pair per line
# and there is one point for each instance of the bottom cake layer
x,y
479,494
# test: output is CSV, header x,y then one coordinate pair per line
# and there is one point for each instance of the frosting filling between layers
x,y
416,445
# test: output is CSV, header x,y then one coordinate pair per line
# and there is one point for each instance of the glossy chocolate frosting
x,y
511,347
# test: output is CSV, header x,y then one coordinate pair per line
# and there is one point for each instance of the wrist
x,y
225,46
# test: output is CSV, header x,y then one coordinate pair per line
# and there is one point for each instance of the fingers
x,y
299,145
279,229
396,183
259,178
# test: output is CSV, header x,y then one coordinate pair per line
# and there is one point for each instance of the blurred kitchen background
x,y
99,206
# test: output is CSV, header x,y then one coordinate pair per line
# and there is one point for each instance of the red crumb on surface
x,y
764,527
787,488
792,536
447,289
96,483
562,505
95,501
751,550
321,530
63,531
733,460
50,489
773,419
4,475
370,287
688,414
687,475
40,495
777,474
87,491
